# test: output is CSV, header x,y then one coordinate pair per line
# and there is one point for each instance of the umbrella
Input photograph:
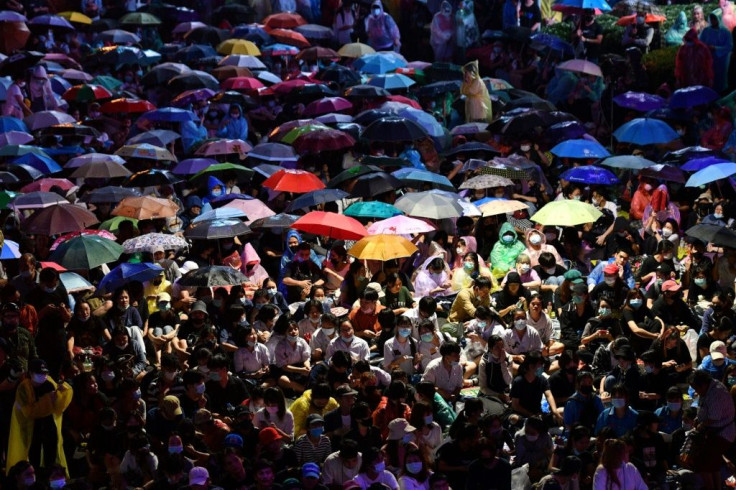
x,y
254,209
243,61
223,147
385,162
327,105
631,19
140,19
8,123
664,172
215,229
118,36
8,178
110,83
394,129
75,75
126,106
531,120
325,140
109,195
279,49
352,173
212,276
242,83
68,236
24,172
696,95
315,198
145,151
317,53
580,5
44,164
552,42
74,283
472,148
223,171
77,162
501,206
697,164
315,32
163,73
378,63
688,153
238,46
224,72
580,148
719,236
150,241
44,119
374,184
589,174
184,27
222,213
283,20
566,212
339,74
393,81
429,204
626,7
333,225
149,178
299,181
155,137
372,209
10,250
58,219
102,170
382,248
415,177
400,225
632,162
191,166
581,66
711,174
76,17
36,200
113,224
486,182
645,131
281,131
366,92
287,36
425,120
86,93
5,198
639,101
16,34
273,152
45,185
355,50
146,207
128,272
170,114
86,252
193,80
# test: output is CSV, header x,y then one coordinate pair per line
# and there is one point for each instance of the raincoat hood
x,y
691,36
212,182
507,228
471,244
376,4
288,254
250,255
193,202
534,231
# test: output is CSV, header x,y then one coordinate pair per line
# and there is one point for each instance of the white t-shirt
x,y
384,477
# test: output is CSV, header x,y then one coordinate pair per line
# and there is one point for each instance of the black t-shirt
x,y
615,295
529,394
219,398
657,383
300,271
642,317
529,15
592,31
650,264
497,477
453,455
561,386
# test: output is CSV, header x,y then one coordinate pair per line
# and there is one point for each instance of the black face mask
x,y
293,248
586,390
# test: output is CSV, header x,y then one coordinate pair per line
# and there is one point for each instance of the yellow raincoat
x,y
25,411
477,101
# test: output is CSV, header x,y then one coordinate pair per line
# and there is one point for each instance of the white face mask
x,y
525,148
666,232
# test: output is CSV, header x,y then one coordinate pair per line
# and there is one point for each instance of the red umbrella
x,y
327,105
326,140
318,53
242,83
291,38
283,20
630,19
405,100
283,88
333,225
58,219
126,106
298,181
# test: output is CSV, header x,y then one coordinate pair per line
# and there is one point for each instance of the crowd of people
x,y
422,272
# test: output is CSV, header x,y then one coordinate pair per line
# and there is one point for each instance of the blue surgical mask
x,y
604,311
407,438
379,467
404,332
214,376
427,337
717,215
648,369
414,468
578,299
176,449
272,292
469,266
507,238
700,282
57,483
618,402
674,406
316,431
292,338
636,303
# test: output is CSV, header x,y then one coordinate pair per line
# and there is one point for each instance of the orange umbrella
x,y
630,19
13,36
291,38
298,181
333,225
283,20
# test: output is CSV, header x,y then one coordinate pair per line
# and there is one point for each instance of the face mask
x,y
454,363
610,281
468,266
674,406
636,303
379,467
648,187
700,282
731,380
531,438
414,468
404,332
717,215
314,321
376,12
427,337
618,402
648,369
164,306
328,331
49,290
176,449
524,268
519,324
292,338
507,238
525,148
576,198
667,256
272,410
316,432
428,419
122,346
108,375
38,378
459,251
347,339
83,318
586,390
368,310
29,480
215,376
666,232
604,311
217,303
481,324
272,292
200,389
578,300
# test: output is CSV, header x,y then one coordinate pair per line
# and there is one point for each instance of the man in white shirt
x,y
343,465
446,372
348,342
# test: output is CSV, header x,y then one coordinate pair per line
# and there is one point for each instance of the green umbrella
x,y
6,197
140,19
372,209
292,135
114,223
221,170
110,83
352,173
86,252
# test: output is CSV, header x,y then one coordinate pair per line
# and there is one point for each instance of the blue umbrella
x,y
372,209
219,213
73,282
252,32
425,120
59,85
126,272
552,42
645,131
711,174
191,166
639,101
632,162
10,250
601,5
696,95
226,198
418,178
169,114
266,169
279,49
589,174
8,123
580,149
697,164
41,163
315,197
391,81
378,63
273,152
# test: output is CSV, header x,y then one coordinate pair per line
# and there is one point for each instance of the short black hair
x,y
449,348
369,295
482,282
304,246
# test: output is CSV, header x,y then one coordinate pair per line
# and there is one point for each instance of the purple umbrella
x,y
589,174
273,152
191,96
53,21
77,162
192,166
568,130
700,163
639,101
15,138
10,16
44,119
692,96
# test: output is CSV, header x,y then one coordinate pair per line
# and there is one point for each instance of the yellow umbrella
x,y
566,212
501,206
76,17
238,46
355,50
382,247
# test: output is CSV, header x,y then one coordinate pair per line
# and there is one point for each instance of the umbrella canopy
x,y
315,198
140,19
663,171
580,148
355,50
212,276
74,283
273,152
299,181
126,106
581,66
501,206
382,247
150,241
45,185
219,214
333,225
155,137
223,147
86,252
290,37
697,164
372,209
639,101
645,131
392,81
415,177
590,174
86,93
127,272
146,207
253,209
77,162
215,229
632,162
101,170
109,195
486,182
375,183
146,151
238,46
36,200
429,204
566,212
148,178
10,250
711,174
325,140
59,219
394,129
44,119
327,105
283,20
719,236
223,170
317,53
694,96
400,225
191,166
378,63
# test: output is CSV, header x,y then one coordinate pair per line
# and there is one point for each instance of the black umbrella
x,y
688,153
374,184
473,148
195,53
217,228
394,129
149,178
18,63
212,276
24,172
8,178
366,92
206,35
233,13
110,194
371,115
444,71
339,74
310,92
194,80
69,130
352,173
532,102
103,24
720,236
232,97
164,72
281,220
439,88
530,121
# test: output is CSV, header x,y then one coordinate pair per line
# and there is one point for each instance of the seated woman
x,y
638,323
433,278
512,296
602,328
353,285
529,277
471,266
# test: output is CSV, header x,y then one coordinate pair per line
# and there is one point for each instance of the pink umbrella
x,y
419,65
224,147
327,105
45,185
400,225
67,236
253,208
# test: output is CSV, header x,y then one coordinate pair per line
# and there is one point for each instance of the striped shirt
x,y
307,452
717,409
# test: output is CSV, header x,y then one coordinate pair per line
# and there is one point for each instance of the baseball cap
x,y
377,288
610,269
268,435
624,352
163,297
198,476
200,306
188,266
38,366
573,274
579,288
170,406
202,416
664,269
717,350
157,248
344,390
233,440
670,286
314,418
310,470
10,307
